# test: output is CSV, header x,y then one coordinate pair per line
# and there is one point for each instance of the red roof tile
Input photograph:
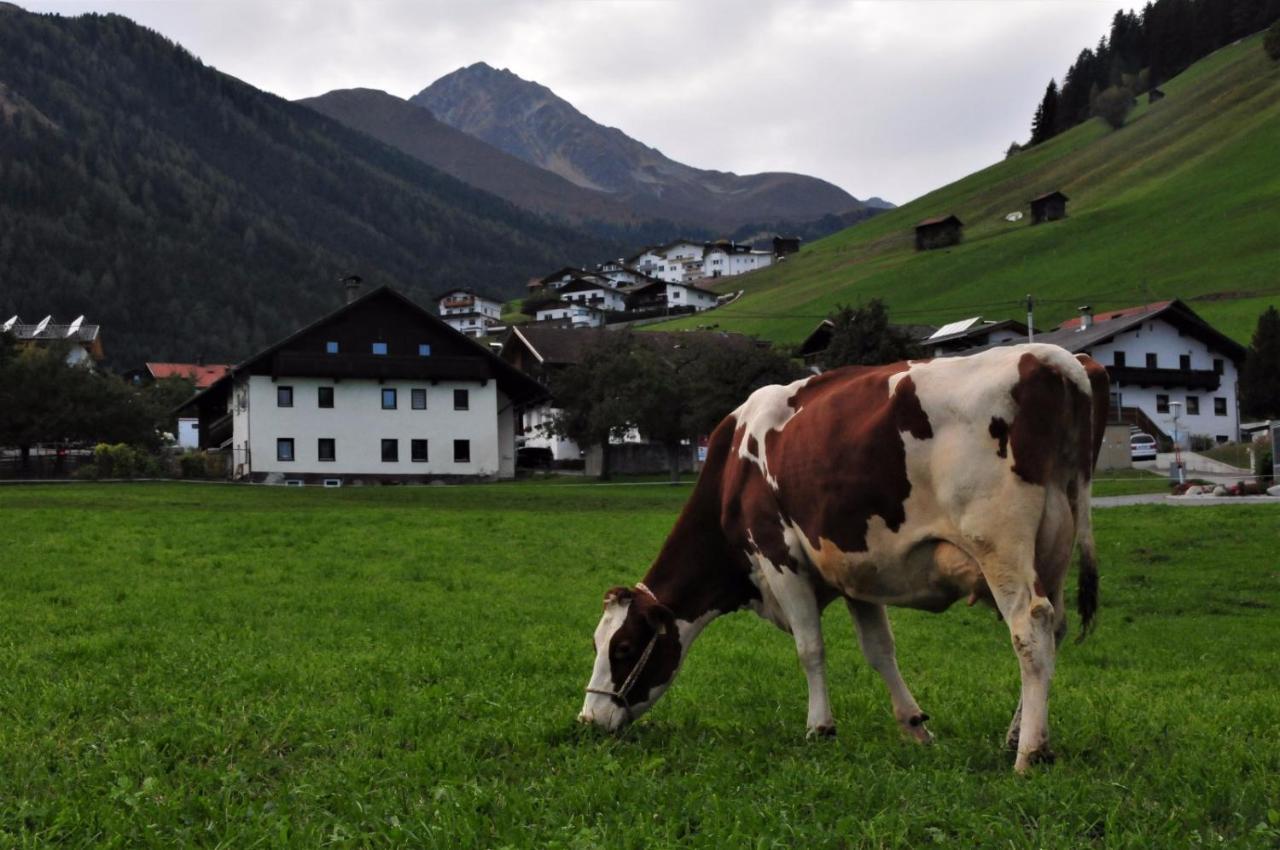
x,y
202,374
1118,314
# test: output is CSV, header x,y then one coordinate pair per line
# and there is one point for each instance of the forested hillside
x,y
1180,202
192,215
1142,51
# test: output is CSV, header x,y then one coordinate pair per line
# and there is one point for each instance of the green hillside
x,y
1183,201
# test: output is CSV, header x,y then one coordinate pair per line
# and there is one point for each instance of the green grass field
x,y
226,666
1181,202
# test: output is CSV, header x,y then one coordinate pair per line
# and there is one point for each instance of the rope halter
x,y
620,695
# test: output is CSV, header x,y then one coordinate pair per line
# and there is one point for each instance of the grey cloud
x,y
881,98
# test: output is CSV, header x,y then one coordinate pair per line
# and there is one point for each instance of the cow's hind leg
x,y
1032,621
876,639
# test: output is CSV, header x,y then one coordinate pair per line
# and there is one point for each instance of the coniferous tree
x,y
1044,126
1260,378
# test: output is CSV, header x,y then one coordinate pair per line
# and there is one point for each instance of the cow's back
x,y
875,460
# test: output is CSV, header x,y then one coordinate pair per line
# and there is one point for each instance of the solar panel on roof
x,y
955,327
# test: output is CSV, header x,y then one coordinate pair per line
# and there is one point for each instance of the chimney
x,y
1086,317
351,283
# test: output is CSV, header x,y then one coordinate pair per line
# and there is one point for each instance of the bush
x,y
120,460
1201,442
193,465
1262,463
1271,41
1113,106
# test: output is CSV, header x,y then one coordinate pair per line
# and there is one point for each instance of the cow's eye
x,y
624,648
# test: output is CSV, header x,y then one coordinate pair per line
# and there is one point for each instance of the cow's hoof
x,y
917,731
825,731
1026,761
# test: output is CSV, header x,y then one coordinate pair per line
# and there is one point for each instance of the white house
x,y
470,312
594,292
380,390
972,332
664,295
1163,361
726,259
575,315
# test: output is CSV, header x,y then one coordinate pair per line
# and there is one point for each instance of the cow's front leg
x,y
876,639
799,606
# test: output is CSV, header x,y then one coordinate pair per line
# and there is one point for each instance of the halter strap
x,y
620,695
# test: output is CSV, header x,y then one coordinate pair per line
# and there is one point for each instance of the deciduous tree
x,y
1260,378
863,336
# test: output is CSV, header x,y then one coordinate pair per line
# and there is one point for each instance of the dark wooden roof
x,y
454,355
942,219
1047,195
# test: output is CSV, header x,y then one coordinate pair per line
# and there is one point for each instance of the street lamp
x,y
1176,407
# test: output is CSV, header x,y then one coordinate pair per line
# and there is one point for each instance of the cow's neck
x,y
695,575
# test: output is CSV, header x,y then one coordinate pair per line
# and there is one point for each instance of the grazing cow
x,y
915,484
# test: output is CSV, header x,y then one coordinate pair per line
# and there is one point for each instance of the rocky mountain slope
x,y
531,122
190,214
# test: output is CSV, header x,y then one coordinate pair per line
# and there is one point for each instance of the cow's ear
x,y
661,618
617,594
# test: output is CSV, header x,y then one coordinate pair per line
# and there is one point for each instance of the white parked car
x,y
1142,447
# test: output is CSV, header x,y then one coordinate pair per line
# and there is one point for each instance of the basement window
x,y
418,451
390,451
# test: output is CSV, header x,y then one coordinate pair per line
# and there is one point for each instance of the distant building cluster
x,y
660,280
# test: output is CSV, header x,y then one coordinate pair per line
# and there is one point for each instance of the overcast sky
x,y
889,98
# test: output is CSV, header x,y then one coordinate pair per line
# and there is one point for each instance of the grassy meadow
x,y
227,666
1180,202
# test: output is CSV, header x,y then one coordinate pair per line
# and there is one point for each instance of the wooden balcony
x,y
1141,376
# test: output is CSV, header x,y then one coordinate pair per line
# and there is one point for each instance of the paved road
x,y
1182,501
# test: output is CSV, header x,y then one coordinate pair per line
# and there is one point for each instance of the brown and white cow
x,y
915,484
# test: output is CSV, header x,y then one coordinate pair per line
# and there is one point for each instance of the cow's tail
x,y
1087,583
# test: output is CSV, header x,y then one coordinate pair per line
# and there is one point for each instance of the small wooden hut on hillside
x,y
938,232
1050,206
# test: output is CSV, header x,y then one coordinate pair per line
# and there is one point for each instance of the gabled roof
x,y
663,284
587,284
973,327
1105,326
1047,195
941,219
511,380
200,374
471,292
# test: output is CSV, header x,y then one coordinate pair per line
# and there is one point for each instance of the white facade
x,y
535,421
188,432
688,296
1216,412
719,262
357,424
602,298
579,315
469,313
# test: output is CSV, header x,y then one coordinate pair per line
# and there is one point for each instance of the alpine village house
x,y
380,390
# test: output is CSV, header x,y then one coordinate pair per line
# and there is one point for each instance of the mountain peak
x,y
531,122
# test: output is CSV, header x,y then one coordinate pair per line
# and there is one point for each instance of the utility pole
x,y
1031,321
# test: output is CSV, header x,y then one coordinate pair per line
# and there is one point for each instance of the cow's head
x,y
637,654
